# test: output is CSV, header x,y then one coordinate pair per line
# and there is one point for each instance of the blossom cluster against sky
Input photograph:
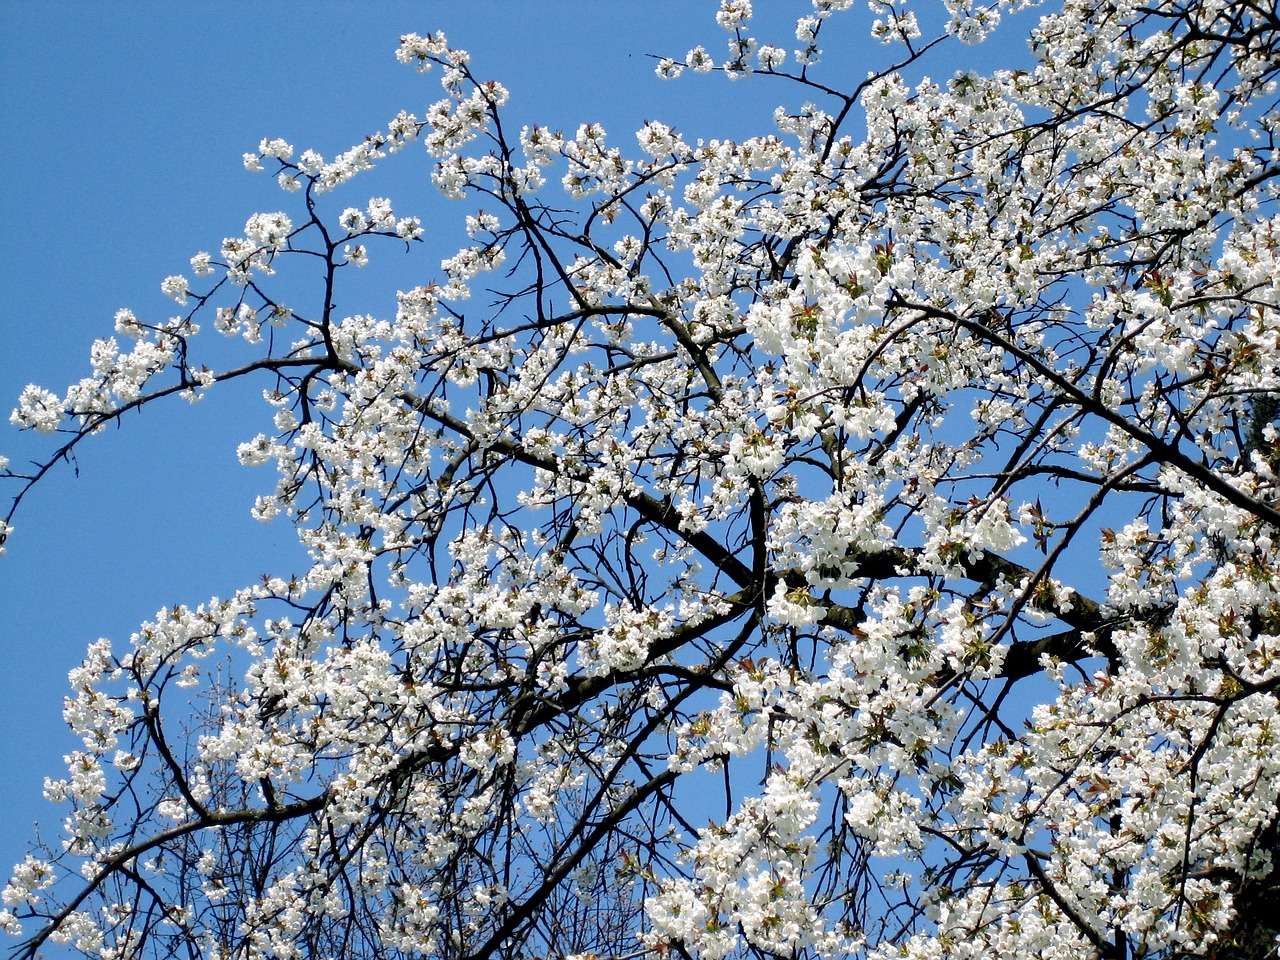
x,y
123,140
124,135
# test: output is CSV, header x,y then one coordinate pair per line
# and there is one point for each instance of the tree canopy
x,y
856,540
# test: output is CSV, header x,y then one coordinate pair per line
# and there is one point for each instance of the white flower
x,y
733,13
175,287
668,69
38,409
275,148
699,60
794,608
200,264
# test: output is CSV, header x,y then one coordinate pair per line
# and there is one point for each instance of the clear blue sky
x,y
123,128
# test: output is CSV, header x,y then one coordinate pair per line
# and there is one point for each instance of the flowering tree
x,y
856,540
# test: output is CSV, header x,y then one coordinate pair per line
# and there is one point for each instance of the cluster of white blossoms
x,y
858,540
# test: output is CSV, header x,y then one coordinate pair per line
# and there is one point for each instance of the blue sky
x,y
123,133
